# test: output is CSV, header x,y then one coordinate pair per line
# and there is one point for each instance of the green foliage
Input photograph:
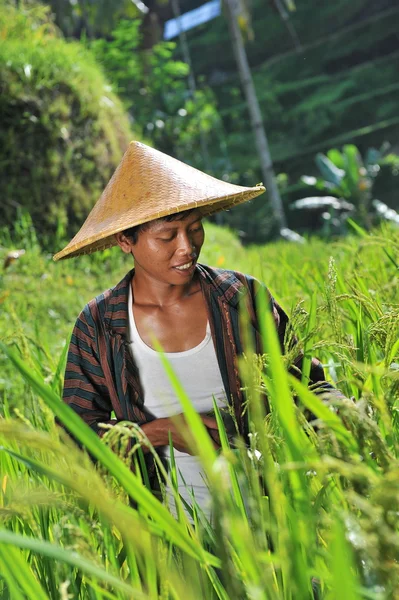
x,y
295,513
80,18
63,130
154,87
345,175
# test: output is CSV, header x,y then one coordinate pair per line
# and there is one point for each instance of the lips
x,y
185,266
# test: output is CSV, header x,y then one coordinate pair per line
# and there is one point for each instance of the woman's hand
x,y
175,425
157,432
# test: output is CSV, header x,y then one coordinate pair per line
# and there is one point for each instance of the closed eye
x,y
170,238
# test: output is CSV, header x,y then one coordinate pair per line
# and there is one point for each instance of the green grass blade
x,y
226,448
345,584
391,258
307,356
57,379
18,570
362,232
72,558
280,391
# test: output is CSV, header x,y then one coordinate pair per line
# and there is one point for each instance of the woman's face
x,y
167,251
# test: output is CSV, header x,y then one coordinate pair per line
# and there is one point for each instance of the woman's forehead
x,y
160,224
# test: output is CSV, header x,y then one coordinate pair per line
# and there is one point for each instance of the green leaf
x,y
329,171
362,232
353,163
307,357
344,580
17,571
8,540
56,382
336,157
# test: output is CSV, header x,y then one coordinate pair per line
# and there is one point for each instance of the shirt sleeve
x,y
85,388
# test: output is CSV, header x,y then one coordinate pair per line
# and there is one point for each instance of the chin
x,y
182,279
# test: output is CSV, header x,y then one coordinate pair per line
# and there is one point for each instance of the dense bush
x,y
63,131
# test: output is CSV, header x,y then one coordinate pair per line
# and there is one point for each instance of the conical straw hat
x,y
146,185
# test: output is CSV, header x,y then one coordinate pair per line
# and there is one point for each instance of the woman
x,y
153,208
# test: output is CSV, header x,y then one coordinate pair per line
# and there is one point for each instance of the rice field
x,y
309,510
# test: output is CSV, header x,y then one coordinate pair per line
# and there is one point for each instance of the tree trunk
x,y
233,11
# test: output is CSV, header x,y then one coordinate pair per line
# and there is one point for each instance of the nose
x,y
186,245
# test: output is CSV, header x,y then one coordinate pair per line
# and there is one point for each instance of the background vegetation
x,y
335,86
329,80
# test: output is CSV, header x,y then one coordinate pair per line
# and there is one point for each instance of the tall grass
x,y
308,510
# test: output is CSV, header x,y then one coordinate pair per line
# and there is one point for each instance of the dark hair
x,y
133,232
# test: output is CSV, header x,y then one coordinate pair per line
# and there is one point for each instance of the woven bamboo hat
x,y
147,185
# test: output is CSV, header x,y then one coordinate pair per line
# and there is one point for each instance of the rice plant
x,y
307,509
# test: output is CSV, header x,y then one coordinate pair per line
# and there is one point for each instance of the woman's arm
x,y
85,388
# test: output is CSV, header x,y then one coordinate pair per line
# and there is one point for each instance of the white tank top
x,y
199,373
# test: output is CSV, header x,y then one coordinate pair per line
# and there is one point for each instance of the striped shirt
x,y
102,378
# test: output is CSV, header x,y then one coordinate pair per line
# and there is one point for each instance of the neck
x,y
149,291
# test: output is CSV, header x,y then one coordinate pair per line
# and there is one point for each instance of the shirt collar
x,y
225,284
116,306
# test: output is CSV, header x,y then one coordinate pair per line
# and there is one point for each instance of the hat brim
x,y
106,239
